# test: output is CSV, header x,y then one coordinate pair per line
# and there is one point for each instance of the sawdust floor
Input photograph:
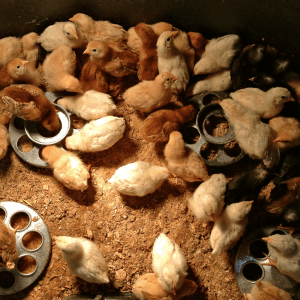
x,y
124,227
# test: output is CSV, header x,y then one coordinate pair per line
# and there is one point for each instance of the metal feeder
x,y
206,110
248,268
29,129
18,281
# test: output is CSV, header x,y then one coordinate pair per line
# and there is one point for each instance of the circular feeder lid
x,y
248,268
38,253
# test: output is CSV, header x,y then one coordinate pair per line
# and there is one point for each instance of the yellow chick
x,y
10,48
149,95
183,161
229,226
97,135
91,105
59,70
207,202
168,263
30,46
139,178
4,140
83,258
67,167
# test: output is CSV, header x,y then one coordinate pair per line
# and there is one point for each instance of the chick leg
x,y
271,261
290,229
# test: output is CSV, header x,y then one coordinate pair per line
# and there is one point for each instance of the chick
x,y
67,167
218,55
83,258
198,42
148,68
59,70
171,60
62,33
4,140
264,290
139,178
30,46
115,63
214,82
183,161
253,136
284,250
158,126
265,104
290,216
91,105
229,226
265,81
168,263
97,135
8,248
10,48
149,95
208,200
292,79
287,131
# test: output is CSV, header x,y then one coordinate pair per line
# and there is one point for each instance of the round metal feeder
x,y
19,128
249,257
208,108
17,280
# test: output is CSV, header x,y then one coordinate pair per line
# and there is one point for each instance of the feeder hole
x,y
278,231
32,240
252,271
209,151
26,264
216,125
19,220
258,248
40,153
25,144
45,132
232,149
2,214
7,279
210,99
19,123
76,122
190,135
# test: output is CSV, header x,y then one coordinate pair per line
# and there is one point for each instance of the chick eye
x,y
94,50
168,79
168,39
18,67
282,97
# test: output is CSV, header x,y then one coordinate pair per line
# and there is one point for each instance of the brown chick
x,y
4,140
117,64
59,70
292,79
30,46
10,47
158,126
148,69
198,42
67,167
184,162
8,249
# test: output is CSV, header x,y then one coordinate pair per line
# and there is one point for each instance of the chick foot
x,y
271,261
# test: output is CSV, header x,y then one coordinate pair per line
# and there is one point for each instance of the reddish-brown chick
x,y
198,42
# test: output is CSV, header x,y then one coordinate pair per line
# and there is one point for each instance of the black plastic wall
x,y
278,21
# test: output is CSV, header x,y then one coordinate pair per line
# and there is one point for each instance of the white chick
x,y
219,54
83,258
62,33
10,48
139,178
229,226
253,136
97,135
208,200
91,105
168,263
266,104
67,167
4,140
170,59
30,46
214,82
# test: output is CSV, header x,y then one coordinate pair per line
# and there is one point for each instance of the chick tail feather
x,y
272,157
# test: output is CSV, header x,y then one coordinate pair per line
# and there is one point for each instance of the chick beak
x,y
175,78
278,139
174,33
24,63
75,35
290,100
251,79
86,51
267,239
71,19
212,217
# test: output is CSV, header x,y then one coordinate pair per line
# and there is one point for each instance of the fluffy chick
x,y
62,33
253,136
30,46
264,290
215,82
4,140
158,126
10,48
229,226
67,167
183,161
285,253
198,42
83,258
208,200
8,249
218,55
59,70
171,60
168,263
139,178
91,105
97,135
148,68
265,104
287,131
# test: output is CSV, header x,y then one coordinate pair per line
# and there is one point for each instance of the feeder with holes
x,y
27,138
210,135
250,256
33,242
